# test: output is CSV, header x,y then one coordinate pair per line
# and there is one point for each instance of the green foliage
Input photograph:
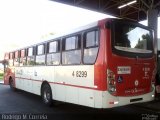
x,y
1,76
141,43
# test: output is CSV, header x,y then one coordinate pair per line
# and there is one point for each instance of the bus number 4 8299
x,y
79,73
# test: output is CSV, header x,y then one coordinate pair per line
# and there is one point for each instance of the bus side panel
x,y
65,85
40,74
60,92
86,97
30,78
73,84
23,78
77,75
18,79
28,73
98,99
72,94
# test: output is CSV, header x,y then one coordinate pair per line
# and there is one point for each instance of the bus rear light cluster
x,y
111,81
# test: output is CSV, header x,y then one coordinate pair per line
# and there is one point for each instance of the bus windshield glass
x,y
132,38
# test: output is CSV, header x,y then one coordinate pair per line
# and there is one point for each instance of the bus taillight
x,y
111,81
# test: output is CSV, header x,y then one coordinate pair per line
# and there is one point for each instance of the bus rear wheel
x,y
47,95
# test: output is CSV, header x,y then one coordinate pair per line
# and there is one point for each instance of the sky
x,y
26,22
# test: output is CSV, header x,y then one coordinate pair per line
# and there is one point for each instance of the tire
x,y
11,84
47,95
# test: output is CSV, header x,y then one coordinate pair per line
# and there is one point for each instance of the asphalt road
x,y
23,105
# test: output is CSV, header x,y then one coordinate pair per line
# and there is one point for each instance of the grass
x,y
1,76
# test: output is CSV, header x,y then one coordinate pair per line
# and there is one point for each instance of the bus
x,y
105,64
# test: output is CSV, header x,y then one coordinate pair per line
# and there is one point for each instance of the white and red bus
x,y
105,64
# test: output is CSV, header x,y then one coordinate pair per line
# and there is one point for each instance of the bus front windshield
x,y
132,38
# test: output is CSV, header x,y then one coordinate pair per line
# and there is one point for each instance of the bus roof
x,y
61,34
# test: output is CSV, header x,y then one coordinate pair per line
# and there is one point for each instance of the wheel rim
x,y
47,95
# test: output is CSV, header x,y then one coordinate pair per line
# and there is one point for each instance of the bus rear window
x,y
132,38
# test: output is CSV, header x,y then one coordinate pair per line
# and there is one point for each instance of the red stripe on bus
x,y
63,83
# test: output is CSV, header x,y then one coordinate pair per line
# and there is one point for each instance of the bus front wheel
x,y
47,94
11,84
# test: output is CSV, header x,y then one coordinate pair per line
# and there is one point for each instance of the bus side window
x,y
71,53
16,59
23,57
40,56
53,53
11,57
91,41
30,56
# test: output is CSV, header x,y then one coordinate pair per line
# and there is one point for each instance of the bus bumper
x,y
109,101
